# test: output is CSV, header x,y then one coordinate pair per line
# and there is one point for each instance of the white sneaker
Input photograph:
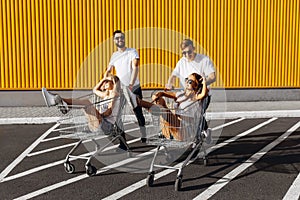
x,y
50,99
53,100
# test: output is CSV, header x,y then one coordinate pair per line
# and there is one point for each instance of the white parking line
x,y
51,149
209,192
142,183
229,123
47,189
139,184
24,154
294,191
131,130
81,177
72,144
36,169
50,139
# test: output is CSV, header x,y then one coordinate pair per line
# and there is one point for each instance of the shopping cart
x,y
184,135
74,125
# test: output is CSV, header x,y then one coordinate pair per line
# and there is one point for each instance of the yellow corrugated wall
x,y
254,44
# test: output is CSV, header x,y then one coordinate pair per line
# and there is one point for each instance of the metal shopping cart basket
x,y
74,125
177,134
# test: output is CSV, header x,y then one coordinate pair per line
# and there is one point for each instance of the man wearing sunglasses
x,y
192,62
125,61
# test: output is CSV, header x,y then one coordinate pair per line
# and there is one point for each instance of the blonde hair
x,y
116,84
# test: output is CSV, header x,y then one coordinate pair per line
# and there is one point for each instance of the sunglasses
x,y
187,52
120,38
189,81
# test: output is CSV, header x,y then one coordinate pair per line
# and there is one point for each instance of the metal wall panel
x,y
66,44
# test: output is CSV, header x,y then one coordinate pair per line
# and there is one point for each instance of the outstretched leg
x,y
54,100
91,113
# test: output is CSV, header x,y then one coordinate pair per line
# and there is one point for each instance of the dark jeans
x,y
206,102
137,90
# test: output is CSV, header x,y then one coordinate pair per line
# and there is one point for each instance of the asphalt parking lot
x,y
256,158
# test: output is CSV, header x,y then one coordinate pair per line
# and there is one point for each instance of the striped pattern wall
x,y
66,44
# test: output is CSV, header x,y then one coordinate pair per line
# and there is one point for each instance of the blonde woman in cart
x,y
108,89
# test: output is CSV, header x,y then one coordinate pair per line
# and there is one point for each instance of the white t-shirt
x,y
190,112
122,61
201,65
187,106
104,106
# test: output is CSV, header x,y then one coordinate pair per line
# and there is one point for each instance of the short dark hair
x,y
185,43
118,31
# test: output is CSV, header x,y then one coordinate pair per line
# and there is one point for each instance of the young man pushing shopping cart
x,y
125,61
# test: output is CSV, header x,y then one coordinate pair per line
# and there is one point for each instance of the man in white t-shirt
x,y
125,61
192,62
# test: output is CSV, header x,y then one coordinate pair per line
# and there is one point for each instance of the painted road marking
x,y
51,149
229,123
36,169
24,154
142,183
209,192
81,177
217,146
50,139
36,193
131,130
294,191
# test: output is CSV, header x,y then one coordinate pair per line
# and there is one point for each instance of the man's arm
x,y
171,82
135,72
108,71
203,92
211,78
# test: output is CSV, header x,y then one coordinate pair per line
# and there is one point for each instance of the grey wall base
x,y
34,98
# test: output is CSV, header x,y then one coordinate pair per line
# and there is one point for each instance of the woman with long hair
x,y
195,89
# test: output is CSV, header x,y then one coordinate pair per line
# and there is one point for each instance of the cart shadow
x,y
195,187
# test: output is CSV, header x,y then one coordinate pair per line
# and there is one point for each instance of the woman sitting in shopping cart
x,y
195,90
108,89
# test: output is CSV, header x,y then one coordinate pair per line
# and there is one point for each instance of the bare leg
x,y
84,102
91,113
93,116
165,112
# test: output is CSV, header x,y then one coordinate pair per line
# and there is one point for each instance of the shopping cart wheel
x,y
150,179
90,170
178,183
69,168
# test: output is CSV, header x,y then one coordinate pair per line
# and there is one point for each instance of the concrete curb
x,y
253,114
209,115
29,120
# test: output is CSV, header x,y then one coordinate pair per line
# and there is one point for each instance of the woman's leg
x,y
92,114
163,110
85,102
